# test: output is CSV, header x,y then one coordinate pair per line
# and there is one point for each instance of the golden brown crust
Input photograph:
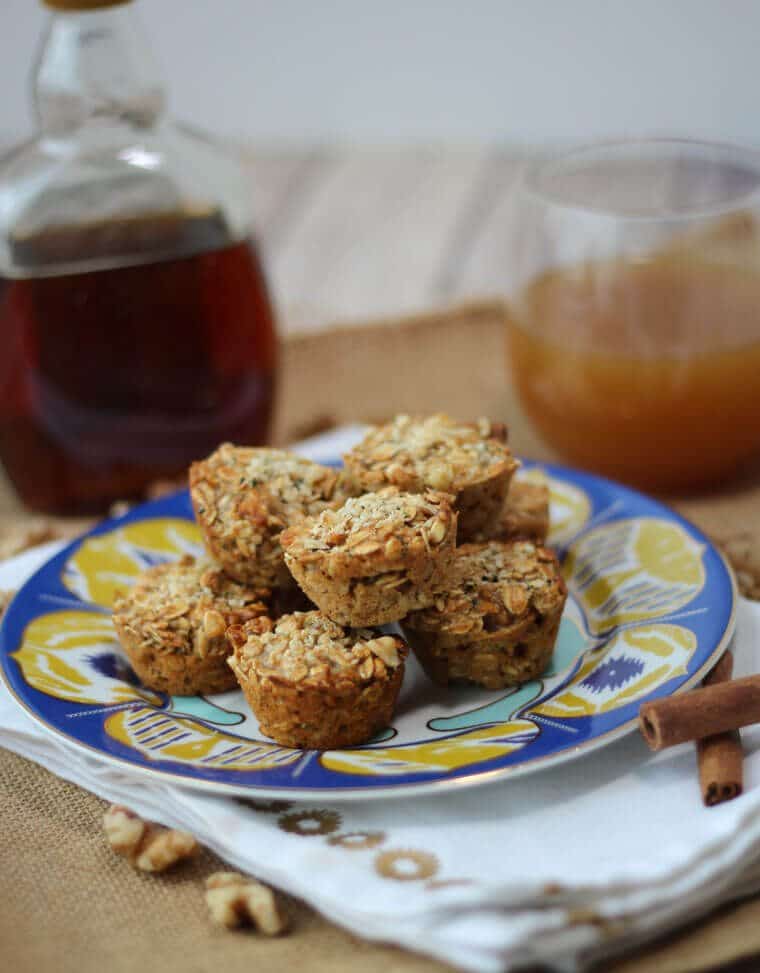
x,y
244,498
314,684
178,675
469,460
172,625
375,559
498,621
492,661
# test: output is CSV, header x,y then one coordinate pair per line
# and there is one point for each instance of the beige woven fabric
x,y
68,905
71,906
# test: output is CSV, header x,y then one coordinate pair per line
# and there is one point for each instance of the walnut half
x,y
147,846
236,900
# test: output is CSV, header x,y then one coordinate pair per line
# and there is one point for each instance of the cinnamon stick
x,y
720,758
703,712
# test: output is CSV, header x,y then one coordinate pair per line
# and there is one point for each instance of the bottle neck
x,y
95,67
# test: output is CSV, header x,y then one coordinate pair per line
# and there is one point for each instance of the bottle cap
x,y
81,5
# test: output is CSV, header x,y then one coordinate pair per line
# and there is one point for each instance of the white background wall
x,y
394,70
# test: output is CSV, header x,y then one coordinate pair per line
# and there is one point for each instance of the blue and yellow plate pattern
x,y
650,609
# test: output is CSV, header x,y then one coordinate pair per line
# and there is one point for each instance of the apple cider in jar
x,y
634,334
623,396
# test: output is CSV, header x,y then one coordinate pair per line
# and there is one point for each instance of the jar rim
x,y
680,179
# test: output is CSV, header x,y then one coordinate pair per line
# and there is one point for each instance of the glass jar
x,y
135,326
634,327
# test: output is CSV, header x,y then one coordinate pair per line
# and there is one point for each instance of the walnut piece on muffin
x,y
525,515
497,623
172,625
244,497
469,460
376,558
314,684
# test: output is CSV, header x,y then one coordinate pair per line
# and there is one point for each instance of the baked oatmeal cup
x,y
244,498
314,684
525,515
497,623
469,460
376,558
172,625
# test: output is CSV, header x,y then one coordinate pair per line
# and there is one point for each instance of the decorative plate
x,y
650,609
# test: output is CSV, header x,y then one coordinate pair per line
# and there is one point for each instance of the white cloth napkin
x,y
559,867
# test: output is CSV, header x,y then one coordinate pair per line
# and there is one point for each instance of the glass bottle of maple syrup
x,y
136,332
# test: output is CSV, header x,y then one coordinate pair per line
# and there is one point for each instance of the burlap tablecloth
x,y
68,904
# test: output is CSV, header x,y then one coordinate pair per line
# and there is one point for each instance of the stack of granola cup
x,y
305,564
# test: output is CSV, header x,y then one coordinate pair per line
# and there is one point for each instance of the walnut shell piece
x,y
146,846
236,900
